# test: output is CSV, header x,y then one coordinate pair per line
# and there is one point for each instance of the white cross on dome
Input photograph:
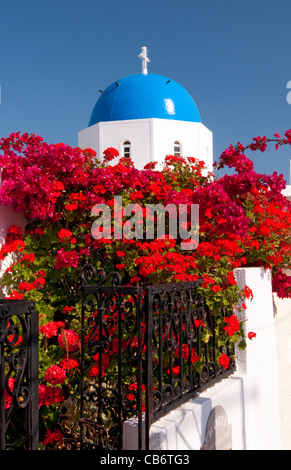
x,y
144,58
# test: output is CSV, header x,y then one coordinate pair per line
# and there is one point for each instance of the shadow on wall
x,y
215,421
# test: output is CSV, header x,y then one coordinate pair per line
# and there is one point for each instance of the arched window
x,y
127,149
177,149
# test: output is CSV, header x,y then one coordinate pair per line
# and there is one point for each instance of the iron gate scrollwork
x,y
111,358
142,354
19,421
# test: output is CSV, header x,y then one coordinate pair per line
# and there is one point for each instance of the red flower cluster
x,y
233,325
8,396
66,259
69,340
224,360
15,246
49,395
66,236
109,154
55,375
36,284
53,437
51,329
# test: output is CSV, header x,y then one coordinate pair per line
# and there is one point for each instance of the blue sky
x,y
233,57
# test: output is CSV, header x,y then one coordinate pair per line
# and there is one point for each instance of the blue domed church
x,y
146,117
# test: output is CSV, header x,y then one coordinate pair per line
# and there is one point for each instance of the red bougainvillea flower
x,y
64,234
30,257
16,230
109,154
69,363
25,286
69,339
224,360
233,325
15,339
66,259
39,283
51,329
55,375
186,354
7,396
67,309
14,294
15,246
48,395
71,207
251,335
53,437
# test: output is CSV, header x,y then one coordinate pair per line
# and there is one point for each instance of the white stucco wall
x,y
151,139
258,364
283,336
287,191
184,428
195,139
8,217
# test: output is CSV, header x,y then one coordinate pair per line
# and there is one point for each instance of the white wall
x,y
283,336
249,397
7,218
258,365
195,139
184,428
113,134
287,191
152,139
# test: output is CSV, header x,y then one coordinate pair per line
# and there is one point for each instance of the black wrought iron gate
x,y
140,350
142,355
18,375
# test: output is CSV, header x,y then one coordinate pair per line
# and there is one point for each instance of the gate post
x,y
33,412
149,369
18,318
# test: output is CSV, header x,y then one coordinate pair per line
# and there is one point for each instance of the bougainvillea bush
x,y
243,221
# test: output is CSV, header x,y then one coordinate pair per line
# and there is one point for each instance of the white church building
x,y
145,117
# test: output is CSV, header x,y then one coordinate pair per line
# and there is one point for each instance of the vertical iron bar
x,y
2,386
214,341
181,347
119,384
139,368
206,349
170,312
160,348
28,372
100,314
82,366
192,330
33,357
149,366
199,352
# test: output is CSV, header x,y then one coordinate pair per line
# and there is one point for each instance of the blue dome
x,y
143,96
